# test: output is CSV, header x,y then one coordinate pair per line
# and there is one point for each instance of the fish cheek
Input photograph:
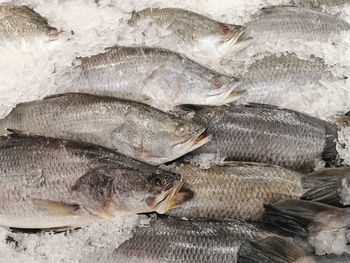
x,y
94,191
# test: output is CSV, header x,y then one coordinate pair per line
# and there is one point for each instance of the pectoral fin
x,y
55,208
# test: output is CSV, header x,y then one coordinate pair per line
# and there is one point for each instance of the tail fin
x,y
322,225
272,249
343,120
330,186
303,218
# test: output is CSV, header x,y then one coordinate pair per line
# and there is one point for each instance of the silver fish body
x,y
172,240
274,77
131,128
203,35
21,22
157,77
51,183
294,23
265,133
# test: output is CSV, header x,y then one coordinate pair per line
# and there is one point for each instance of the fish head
x,y
156,137
213,89
175,138
147,190
222,40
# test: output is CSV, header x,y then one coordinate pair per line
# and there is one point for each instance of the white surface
x,y
32,71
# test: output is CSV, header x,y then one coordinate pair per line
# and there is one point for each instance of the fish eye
x,y
217,83
180,130
156,181
225,29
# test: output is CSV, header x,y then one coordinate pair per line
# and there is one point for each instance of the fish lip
x,y
199,139
164,205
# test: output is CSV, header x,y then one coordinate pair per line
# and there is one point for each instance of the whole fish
x,y
157,77
201,34
21,23
237,190
268,134
294,23
51,183
172,240
274,77
131,128
318,4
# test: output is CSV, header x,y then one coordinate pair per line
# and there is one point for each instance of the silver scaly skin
x,y
271,78
157,77
234,190
51,183
173,240
294,23
21,22
131,128
268,134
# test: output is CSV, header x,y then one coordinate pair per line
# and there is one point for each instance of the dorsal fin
x,y
19,133
62,95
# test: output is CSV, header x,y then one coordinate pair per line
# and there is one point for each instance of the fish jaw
x,y
193,143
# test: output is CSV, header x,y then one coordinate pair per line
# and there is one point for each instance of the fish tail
x,y
273,249
330,186
343,121
303,219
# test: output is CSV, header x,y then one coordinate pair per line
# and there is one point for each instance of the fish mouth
x,y
165,204
225,95
199,139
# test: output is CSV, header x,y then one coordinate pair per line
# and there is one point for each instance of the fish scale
x,y
294,23
171,240
154,76
268,134
131,128
235,190
34,170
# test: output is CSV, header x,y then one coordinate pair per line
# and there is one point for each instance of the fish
x,y
49,183
19,22
203,35
324,226
277,76
318,4
173,240
267,134
277,249
291,23
131,128
157,77
239,190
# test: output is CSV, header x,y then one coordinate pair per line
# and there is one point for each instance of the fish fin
x,y
20,133
56,208
261,105
94,190
154,74
185,194
343,121
272,249
54,96
297,217
330,186
273,9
